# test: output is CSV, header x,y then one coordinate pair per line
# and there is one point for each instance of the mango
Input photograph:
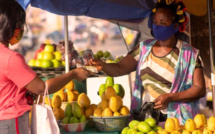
x,y
70,86
88,112
109,81
102,88
66,120
119,90
162,131
116,114
199,121
73,119
207,131
71,96
211,123
68,110
56,101
97,112
144,127
83,100
176,122
169,125
113,104
103,104
93,106
58,113
76,110
185,132
107,112
109,92
196,132
133,123
125,130
82,119
120,102
61,94
124,110
190,125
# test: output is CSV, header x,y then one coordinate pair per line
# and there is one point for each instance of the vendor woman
x,y
169,71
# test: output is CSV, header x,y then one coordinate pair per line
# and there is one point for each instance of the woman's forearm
x,y
191,94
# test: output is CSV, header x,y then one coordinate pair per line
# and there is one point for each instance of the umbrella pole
x,y
66,44
210,24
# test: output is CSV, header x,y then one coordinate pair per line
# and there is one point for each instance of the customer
x,y
168,71
16,77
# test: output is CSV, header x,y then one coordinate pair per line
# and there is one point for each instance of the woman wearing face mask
x,y
168,71
16,77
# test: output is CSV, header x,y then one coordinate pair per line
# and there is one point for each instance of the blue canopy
x,y
103,9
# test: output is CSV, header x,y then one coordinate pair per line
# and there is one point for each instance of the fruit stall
x,y
103,107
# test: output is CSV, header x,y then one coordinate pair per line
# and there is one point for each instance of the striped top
x,y
159,82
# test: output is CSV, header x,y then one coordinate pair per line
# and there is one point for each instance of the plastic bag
x,y
147,111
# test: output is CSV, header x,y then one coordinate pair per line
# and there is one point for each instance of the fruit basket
x,y
74,127
115,123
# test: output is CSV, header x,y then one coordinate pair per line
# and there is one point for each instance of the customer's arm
x,y
37,85
197,91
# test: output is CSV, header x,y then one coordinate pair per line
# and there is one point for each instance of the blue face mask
x,y
163,32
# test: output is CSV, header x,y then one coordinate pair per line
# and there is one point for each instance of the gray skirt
x,y
18,125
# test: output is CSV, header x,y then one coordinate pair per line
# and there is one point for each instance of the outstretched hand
x,y
81,74
97,63
162,101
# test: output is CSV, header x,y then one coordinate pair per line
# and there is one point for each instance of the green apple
x,y
49,48
119,90
151,122
47,63
99,53
38,63
56,63
144,127
40,55
57,55
47,56
32,62
102,88
106,54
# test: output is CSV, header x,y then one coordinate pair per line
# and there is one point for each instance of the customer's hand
x,y
162,101
81,74
97,63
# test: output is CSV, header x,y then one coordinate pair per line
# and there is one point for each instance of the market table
x,y
88,131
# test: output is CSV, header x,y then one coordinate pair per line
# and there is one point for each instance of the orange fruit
x,y
109,92
93,107
70,86
116,114
97,112
88,112
114,104
83,100
107,112
124,110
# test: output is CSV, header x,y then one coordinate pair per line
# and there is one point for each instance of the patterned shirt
x,y
159,82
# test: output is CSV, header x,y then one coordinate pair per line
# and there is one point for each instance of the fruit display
x,y
142,127
111,100
110,82
46,56
73,114
198,125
